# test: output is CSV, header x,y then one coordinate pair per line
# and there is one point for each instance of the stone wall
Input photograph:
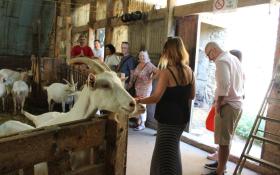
x,y
205,71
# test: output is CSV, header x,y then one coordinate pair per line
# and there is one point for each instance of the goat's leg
x,y
50,103
63,106
3,103
70,106
15,105
22,104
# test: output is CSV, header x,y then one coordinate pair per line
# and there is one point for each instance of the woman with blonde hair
x,y
175,88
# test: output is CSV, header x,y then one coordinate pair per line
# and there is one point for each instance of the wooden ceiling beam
x,y
207,6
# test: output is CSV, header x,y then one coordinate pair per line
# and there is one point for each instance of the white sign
x,y
221,5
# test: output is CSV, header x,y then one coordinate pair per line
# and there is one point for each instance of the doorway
x,y
253,31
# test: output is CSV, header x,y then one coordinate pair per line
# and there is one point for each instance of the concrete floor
x,y
140,149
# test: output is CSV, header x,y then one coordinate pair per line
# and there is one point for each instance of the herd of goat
x,y
103,90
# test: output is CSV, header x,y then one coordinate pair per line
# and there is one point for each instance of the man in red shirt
x,y
82,50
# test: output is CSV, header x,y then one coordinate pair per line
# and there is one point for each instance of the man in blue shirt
x,y
128,62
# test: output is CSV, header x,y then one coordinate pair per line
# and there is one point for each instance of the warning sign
x,y
221,5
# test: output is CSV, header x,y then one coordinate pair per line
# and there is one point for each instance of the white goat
x,y
12,127
12,75
103,91
9,74
59,93
20,91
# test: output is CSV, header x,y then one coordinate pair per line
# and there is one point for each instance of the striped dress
x,y
166,158
172,114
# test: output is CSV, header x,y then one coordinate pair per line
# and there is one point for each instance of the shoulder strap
x,y
173,75
122,62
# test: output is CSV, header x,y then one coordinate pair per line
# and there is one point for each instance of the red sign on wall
x,y
221,5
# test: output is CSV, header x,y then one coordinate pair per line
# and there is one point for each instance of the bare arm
x,y
155,74
193,89
219,104
160,88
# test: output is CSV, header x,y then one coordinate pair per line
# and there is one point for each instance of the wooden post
x,y
116,153
92,13
108,28
125,5
169,21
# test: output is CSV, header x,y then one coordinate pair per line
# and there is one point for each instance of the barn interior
x,y
36,42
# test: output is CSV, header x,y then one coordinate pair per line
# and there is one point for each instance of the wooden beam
x,y
207,6
109,28
92,12
157,14
100,24
80,29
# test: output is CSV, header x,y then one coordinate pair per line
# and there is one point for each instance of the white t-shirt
x,y
112,61
229,79
99,53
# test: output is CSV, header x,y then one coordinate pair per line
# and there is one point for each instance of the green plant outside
x,y
245,125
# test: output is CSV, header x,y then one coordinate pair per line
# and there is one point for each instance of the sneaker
x,y
211,166
139,128
212,173
213,156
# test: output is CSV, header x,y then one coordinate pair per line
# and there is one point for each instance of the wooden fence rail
x,y
106,139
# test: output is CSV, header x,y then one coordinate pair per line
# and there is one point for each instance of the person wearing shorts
x,y
228,99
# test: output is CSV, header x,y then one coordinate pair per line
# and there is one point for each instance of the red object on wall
x,y
210,121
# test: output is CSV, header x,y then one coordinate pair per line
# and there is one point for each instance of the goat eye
x,y
105,86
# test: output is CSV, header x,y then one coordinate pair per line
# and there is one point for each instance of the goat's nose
x,y
132,104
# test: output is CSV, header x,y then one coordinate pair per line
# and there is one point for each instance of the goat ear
x,y
91,80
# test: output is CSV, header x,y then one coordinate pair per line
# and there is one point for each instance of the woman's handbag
x,y
132,90
210,121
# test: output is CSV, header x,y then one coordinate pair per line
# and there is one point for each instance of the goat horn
x,y
105,66
93,64
72,78
66,81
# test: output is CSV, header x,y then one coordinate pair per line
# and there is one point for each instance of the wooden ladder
x,y
259,134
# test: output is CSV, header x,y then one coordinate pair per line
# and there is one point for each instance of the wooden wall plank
x,y
80,29
24,150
